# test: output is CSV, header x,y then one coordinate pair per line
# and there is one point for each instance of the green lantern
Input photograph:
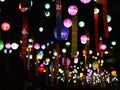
x,y
1,45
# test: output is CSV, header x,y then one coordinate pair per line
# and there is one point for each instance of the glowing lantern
x,y
64,33
47,6
95,65
103,47
113,73
37,46
1,45
8,45
85,1
67,22
22,9
72,10
83,39
5,26
14,46
41,68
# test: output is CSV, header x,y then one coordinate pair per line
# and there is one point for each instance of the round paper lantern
x,y
72,10
5,26
83,39
103,47
41,68
95,65
36,45
67,22
1,45
85,1
64,33
8,45
22,9
113,73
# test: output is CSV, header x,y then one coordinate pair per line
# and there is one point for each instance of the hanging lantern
x,y
67,22
5,26
83,39
85,1
41,68
72,10
22,9
64,33
1,45
113,73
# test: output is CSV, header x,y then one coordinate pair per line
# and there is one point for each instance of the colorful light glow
x,y
84,39
47,6
1,45
8,45
85,1
67,22
81,23
72,10
64,33
5,26
22,9
14,46
37,46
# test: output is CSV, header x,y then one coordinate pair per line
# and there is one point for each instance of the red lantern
x,y
41,68
5,26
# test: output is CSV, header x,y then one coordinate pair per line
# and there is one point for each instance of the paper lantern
x,y
113,73
5,26
103,47
41,68
85,1
64,33
67,22
95,65
72,10
1,45
36,45
8,45
22,9
83,39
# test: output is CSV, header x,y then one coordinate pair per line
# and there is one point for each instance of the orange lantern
x,y
113,73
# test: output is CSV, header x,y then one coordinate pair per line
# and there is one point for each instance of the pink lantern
x,y
5,26
85,1
72,10
103,47
8,45
83,39
67,22
37,46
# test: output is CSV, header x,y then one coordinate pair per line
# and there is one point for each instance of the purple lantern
x,y
64,33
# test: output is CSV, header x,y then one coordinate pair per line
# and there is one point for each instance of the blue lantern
x,y
64,33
